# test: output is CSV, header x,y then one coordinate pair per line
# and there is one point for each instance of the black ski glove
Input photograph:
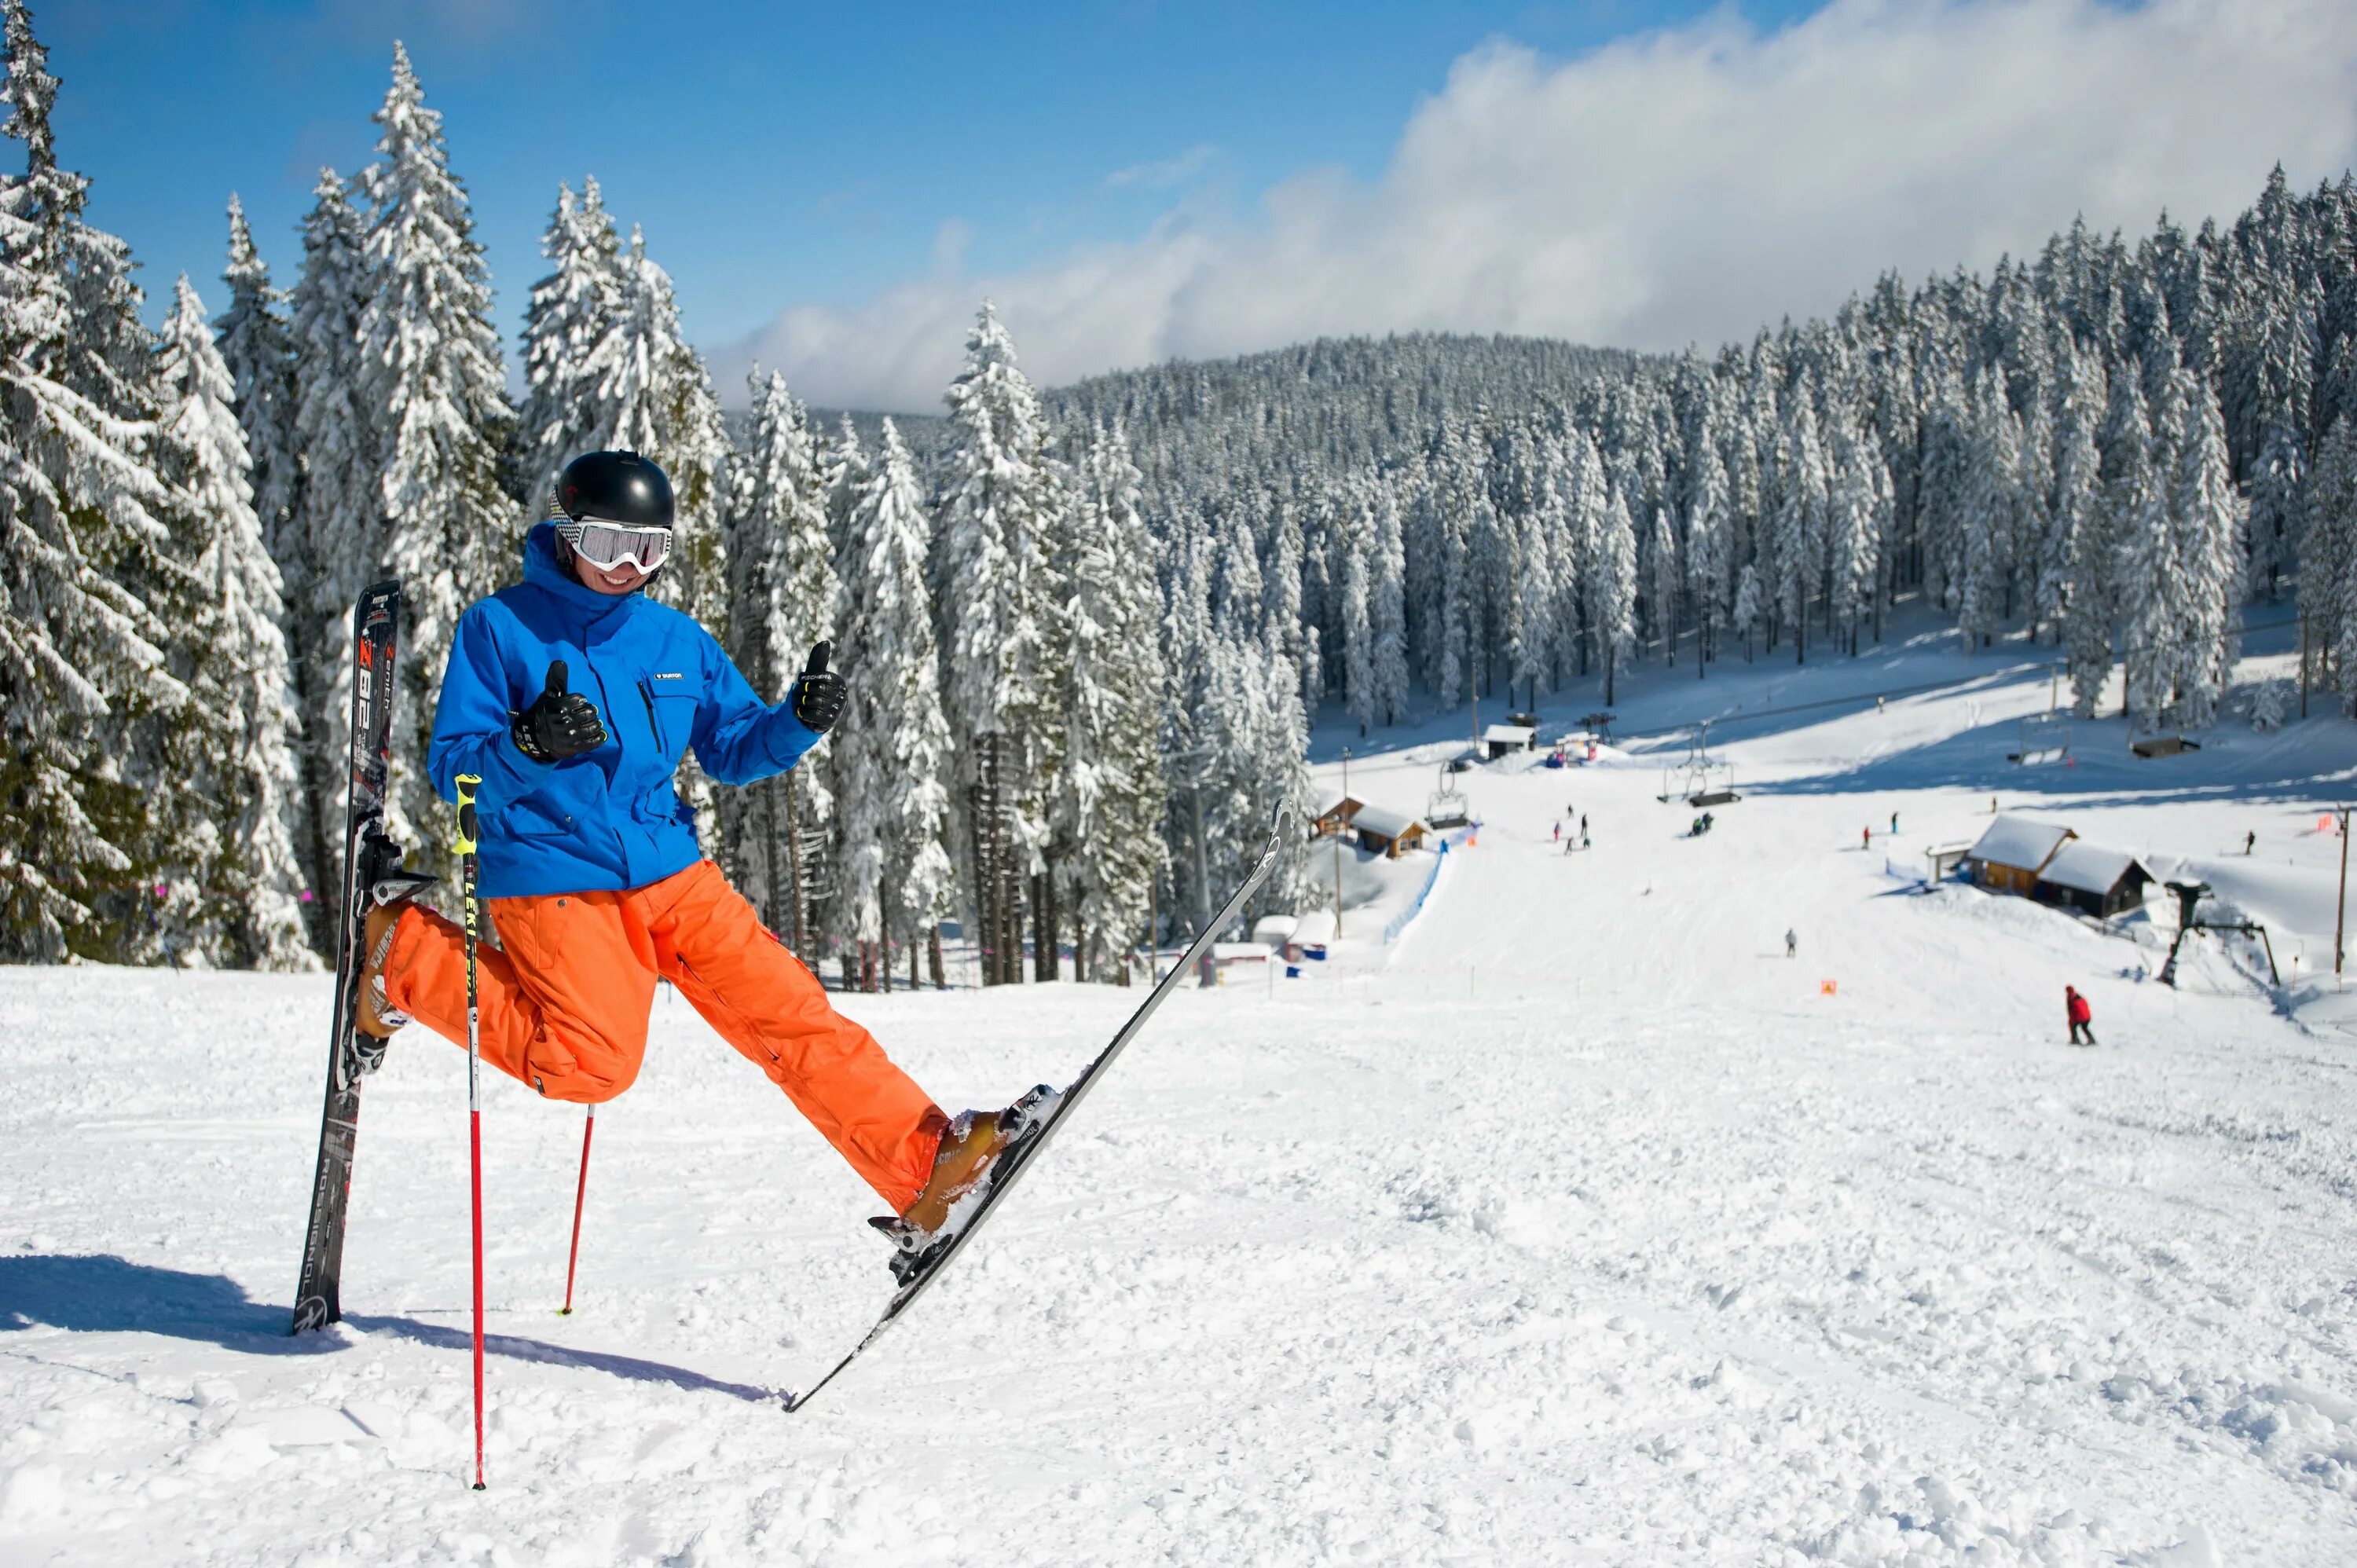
x,y
818,693
559,724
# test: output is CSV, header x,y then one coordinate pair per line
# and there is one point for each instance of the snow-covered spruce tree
x,y
229,783
2327,554
573,310
78,650
1354,531
2086,593
2152,590
431,377
1110,795
657,400
991,595
258,348
1612,589
257,345
892,752
1747,611
2206,525
2279,479
333,545
1708,542
1386,611
783,596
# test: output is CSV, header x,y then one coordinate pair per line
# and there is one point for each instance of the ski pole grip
x,y
466,782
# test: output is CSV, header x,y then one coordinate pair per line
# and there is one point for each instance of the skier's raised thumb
x,y
820,652
558,677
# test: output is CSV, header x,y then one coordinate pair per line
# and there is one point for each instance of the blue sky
x,y
826,183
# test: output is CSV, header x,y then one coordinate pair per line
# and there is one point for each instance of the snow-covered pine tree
x,y
1747,611
783,596
432,379
573,311
1710,539
653,390
2328,553
1612,588
991,596
1110,795
2085,595
258,346
1661,591
78,648
1386,608
892,750
334,546
2279,479
2206,524
229,782
2136,497
1354,529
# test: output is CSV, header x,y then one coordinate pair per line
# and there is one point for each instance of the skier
x,y
1894,822
1792,943
1866,838
590,866
2081,1016
2250,840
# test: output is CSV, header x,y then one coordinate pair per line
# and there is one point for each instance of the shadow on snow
x,y
101,1295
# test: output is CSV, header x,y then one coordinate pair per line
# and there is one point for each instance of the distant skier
x,y
1583,827
590,866
2083,1017
2250,840
1792,943
1559,830
1866,838
1894,822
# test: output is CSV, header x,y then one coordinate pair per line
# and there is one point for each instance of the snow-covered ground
x,y
1579,1225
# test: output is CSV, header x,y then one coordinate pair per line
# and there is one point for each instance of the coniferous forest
x,y
1086,628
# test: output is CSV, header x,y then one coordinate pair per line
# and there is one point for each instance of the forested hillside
x,y
1085,629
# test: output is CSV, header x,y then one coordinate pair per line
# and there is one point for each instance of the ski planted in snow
x,y
371,862
1041,1113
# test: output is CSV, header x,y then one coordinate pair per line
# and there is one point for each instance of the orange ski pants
x,y
563,1003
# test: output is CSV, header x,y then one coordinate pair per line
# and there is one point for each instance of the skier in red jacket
x,y
2081,1016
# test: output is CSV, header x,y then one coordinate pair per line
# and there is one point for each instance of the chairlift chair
x,y
1447,807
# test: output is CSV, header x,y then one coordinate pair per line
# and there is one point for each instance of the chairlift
x,y
2044,738
1447,807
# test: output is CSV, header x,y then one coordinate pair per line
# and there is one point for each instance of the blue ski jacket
x,y
607,819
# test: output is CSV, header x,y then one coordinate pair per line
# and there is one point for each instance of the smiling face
x,y
622,579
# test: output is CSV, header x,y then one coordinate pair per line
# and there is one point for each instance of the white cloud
x,y
1168,172
1683,184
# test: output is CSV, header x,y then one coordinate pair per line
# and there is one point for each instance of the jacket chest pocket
x,y
671,717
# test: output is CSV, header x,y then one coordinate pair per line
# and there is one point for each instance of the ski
x,y
369,858
1042,1111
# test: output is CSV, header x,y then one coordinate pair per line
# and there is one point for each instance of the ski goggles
x,y
608,545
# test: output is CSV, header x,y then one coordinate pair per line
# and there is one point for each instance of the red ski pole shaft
x,y
580,1193
467,783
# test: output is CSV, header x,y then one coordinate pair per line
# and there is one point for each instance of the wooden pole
x,y
2303,694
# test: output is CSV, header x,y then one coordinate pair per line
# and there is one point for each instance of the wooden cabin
x,y
2094,880
1386,832
2009,856
1500,739
1336,816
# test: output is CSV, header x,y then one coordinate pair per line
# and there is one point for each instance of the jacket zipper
x,y
654,724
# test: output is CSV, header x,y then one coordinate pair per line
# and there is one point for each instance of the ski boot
x,y
391,890
974,1148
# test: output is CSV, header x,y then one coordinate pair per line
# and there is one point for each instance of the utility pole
x,y
2340,910
1338,844
2303,713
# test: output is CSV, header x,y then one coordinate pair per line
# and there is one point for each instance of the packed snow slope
x,y
1579,1225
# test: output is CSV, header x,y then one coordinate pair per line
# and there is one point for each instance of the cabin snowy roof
x,y
2090,867
1511,735
1385,825
1347,805
1315,929
2020,842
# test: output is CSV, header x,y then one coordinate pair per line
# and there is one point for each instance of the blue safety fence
x,y
1416,906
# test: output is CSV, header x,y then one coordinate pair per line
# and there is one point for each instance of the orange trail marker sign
x,y
1828,987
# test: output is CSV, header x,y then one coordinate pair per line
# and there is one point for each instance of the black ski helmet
x,y
615,487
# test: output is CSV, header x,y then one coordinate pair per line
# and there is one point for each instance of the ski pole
x,y
579,1193
467,783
